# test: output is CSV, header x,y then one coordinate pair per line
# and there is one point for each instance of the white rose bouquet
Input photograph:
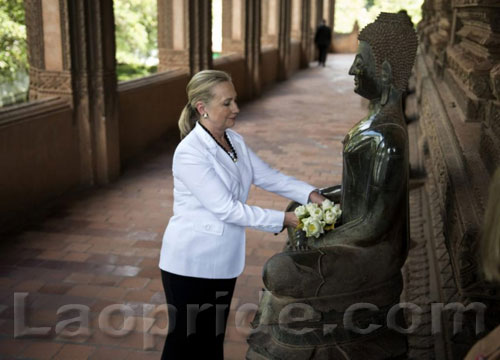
x,y
315,219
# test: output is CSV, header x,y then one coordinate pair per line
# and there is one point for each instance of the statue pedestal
x,y
301,332
382,344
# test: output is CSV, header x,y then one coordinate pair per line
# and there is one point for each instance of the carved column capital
x,y
185,35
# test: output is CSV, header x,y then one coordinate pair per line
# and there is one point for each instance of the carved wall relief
x,y
471,79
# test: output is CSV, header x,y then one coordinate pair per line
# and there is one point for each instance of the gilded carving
x,y
49,82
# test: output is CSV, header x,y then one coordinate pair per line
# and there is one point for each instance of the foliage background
x,y
13,58
366,11
136,36
13,53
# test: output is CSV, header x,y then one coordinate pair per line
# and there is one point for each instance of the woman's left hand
x,y
316,197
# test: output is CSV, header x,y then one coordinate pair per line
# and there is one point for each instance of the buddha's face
x,y
366,82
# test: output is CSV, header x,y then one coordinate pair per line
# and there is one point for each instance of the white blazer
x,y
205,237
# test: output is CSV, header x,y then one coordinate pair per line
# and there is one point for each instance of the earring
x,y
205,115
385,95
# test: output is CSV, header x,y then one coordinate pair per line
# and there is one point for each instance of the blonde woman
x,y
203,249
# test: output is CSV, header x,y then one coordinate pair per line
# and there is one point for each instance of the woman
x,y
203,247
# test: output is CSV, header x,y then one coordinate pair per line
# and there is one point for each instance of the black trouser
x,y
323,50
196,329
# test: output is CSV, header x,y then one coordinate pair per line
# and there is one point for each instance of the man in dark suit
x,y
322,39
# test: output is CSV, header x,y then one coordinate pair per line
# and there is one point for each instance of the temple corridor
x,y
86,183
101,246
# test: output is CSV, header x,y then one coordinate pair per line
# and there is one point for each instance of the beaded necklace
x,y
232,154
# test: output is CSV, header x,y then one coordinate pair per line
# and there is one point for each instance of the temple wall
x,y
294,56
346,43
269,66
457,101
234,65
39,157
149,108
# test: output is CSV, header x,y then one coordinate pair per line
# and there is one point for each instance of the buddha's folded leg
x,y
331,270
294,274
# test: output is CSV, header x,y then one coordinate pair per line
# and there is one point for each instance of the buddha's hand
x,y
300,242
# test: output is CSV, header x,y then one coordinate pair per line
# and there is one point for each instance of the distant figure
x,y
322,40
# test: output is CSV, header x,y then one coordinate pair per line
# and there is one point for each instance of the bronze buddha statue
x,y
360,260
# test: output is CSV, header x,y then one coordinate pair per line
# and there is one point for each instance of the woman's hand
x,y
316,197
291,219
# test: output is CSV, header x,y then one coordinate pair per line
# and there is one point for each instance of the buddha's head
x,y
385,56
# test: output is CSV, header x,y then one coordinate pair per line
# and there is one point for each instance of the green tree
x,y
13,56
366,11
136,37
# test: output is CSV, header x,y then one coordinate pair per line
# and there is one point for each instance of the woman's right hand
x,y
291,219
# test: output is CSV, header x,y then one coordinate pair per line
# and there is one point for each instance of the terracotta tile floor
x,y
99,250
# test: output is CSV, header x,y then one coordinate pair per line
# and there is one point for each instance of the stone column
x,y
233,26
72,56
95,88
200,35
185,35
46,27
284,39
296,19
316,17
305,34
329,12
252,47
270,22
173,35
329,16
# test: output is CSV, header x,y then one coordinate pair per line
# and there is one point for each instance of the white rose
x,y
301,212
317,213
337,211
327,204
311,207
330,217
313,227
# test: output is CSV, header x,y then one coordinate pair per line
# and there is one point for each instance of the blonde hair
x,y
490,241
199,88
